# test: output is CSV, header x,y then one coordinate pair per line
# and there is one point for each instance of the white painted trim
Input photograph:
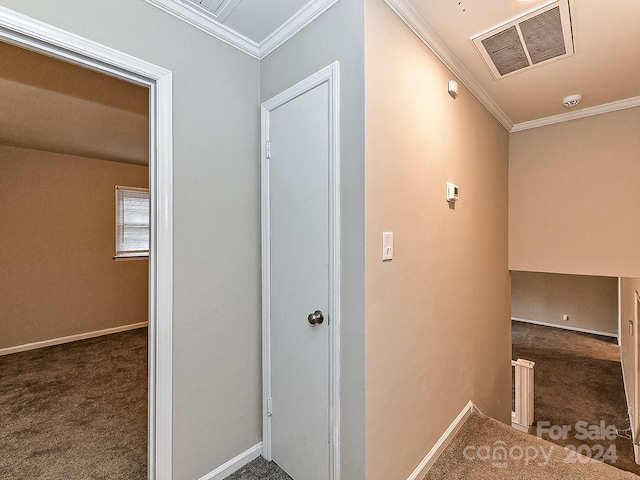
x,y
266,279
235,464
635,426
442,443
630,410
576,114
620,316
199,18
297,22
203,20
563,327
35,35
524,394
519,427
71,338
331,76
426,34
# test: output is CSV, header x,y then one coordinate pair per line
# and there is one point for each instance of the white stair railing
x,y
522,418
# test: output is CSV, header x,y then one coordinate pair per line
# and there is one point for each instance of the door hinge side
x,y
268,149
269,406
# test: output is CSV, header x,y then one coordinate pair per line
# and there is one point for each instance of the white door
x,y
299,255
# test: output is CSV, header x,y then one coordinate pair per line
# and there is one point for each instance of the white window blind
x,y
132,222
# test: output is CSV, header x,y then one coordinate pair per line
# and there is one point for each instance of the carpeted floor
x,y
76,411
259,469
485,449
578,378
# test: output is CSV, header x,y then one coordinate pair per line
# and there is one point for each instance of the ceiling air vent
x,y
533,39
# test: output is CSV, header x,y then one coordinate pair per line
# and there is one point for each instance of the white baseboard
x,y
70,338
442,443
235,464
522,428
565,327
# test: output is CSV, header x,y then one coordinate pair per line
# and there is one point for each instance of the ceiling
x,y
254,19
604,69
51,105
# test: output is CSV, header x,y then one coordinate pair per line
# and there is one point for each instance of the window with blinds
x,y
132,222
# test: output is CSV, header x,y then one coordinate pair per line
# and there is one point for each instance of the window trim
x,y
128,254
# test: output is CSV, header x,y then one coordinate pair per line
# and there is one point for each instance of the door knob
x,y
315,318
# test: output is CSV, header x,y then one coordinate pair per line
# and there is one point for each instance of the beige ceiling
x,y
55,106
605,68
51,105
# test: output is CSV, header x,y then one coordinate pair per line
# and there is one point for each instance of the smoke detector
x,y
541,36
571,100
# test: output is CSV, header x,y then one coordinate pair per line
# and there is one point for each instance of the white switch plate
x,y
452,192
387,246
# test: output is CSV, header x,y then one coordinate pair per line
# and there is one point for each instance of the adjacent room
x,y
568,326
572,247
74,204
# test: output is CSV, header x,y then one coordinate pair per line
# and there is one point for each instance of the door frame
x,y
32,34
329,75
636,371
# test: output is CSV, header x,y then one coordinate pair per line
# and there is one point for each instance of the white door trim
x,y
35,35
636,394
329,75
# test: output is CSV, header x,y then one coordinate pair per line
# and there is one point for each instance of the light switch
x,y
387,246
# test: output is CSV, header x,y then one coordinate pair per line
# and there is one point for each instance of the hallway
x,y
578,388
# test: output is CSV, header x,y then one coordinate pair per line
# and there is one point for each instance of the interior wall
x,y
56,250
338,35
437,315
216,258
591,302
628,289
573,196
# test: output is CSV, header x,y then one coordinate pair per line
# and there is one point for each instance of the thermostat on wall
x,y
452,192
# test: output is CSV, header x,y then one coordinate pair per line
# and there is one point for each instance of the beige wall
x,y
57,245
574,197
591,302
628,289
437,315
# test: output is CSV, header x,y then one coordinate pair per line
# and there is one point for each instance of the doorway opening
x,y
37,36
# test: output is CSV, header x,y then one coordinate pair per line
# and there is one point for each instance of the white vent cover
x,y
541,36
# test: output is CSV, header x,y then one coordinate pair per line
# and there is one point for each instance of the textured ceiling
x,y
55,106
52,105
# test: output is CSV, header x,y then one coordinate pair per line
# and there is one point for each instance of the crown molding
x,y
197,17
425,33
585,112
297,22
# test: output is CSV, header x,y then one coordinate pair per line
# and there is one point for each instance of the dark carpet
x,y
259,469
578,378
485,449
76,411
